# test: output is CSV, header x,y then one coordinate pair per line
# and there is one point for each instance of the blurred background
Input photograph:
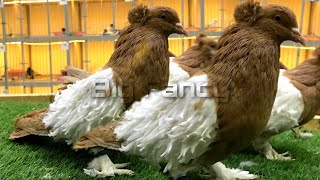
x,y
39,38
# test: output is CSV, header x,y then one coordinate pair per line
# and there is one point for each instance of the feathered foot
x,y
220,172
102,167
273,155
300,134
30,124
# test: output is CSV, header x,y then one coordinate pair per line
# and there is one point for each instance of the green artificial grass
x,y
35,157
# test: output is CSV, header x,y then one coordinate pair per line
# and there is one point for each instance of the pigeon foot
x,y
219,171
273,155
103,167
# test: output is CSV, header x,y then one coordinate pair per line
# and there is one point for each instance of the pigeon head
x,y
203,49
198,56
277,20
164,19
204,42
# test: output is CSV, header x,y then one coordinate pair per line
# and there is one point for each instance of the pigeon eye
x,y
277,18
163,17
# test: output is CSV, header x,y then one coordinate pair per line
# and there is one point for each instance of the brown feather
x,y
247,11
139,14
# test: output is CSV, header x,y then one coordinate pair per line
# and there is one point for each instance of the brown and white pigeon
x,y
297,102
36,126
220,111
139,64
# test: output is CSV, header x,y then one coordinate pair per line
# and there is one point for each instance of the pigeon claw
x,y
273,155
103,167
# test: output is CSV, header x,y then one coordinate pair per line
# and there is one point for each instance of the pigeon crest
x,y
138,15
247,12
200,40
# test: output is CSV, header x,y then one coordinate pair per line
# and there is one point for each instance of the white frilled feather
x,y
287,108
170,130
224,173
177,74
78,109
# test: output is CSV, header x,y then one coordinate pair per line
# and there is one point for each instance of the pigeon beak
x,y
181,30
297,36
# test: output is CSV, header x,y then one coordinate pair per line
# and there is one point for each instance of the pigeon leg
x,y
221,172
102,167
262,145
300,134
